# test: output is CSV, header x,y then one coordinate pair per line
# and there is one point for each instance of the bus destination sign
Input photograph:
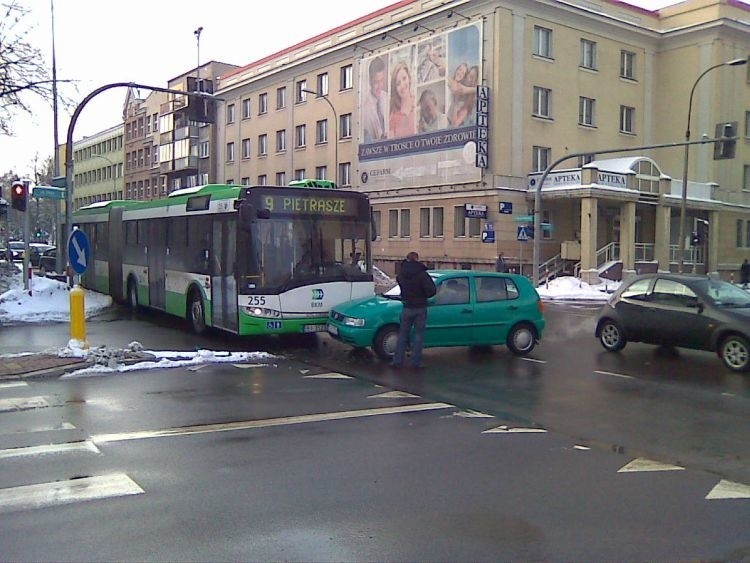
x,y
309,204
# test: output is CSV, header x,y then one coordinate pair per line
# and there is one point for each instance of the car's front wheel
x,y
734,351
521,339
611,336
386,341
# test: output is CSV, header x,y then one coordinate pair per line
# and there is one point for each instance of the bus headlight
x,y
351,321
262,312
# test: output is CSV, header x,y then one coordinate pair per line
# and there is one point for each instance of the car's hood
x,y
367,306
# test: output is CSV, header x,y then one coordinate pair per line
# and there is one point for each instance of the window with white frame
x,y
405,223
322,84
376,223
262,144
459,221
300,95
541,101
345,173
205,149
747,124
627,65
393,223
586,159
281,97
588,54
586,111
746,177
540,158
246,108
627,119
321,131
424,222
230,113
437,221
262,179
230,152
299,174
345,126
299,136
346,79
321,172
245,181
281,178
245,148
281,140
262,103
542,42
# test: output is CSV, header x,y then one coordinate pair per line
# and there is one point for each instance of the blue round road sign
x,y
78,251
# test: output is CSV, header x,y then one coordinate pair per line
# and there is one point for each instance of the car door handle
x,y
466,311
512,308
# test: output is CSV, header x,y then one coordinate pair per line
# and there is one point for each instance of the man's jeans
x,y
418,318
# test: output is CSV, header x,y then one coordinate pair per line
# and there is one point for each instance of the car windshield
x,y
726,294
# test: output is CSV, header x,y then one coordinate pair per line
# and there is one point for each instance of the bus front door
x,y
223,266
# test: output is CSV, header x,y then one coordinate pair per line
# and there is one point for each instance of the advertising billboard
x,y
418,108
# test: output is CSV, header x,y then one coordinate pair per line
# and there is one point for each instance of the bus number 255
x,y
257,300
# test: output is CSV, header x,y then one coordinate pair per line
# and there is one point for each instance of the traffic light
x,y
18,193
727,135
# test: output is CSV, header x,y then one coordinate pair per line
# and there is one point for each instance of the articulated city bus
x,y
247,259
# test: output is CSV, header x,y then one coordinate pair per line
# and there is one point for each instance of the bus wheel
x,y
132,298
196,313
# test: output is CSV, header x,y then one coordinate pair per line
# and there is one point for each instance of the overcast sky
x,y
150,41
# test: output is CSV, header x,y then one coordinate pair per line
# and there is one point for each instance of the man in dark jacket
x,y
416,287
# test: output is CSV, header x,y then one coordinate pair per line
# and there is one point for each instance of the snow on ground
x,y
569,288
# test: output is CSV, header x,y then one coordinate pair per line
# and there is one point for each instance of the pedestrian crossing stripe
x,y
394,395
643,464
728,490
329,375
66,492
23,403
506,430
84,446
13,384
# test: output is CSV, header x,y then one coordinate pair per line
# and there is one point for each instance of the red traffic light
x,y
18,196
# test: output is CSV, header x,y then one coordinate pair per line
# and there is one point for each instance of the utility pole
x,y
198,87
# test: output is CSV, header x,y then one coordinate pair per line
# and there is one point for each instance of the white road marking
x,y
329,375
506,430
643,464
196,368
66,492
248,366
13,384
728,489
23,403
48,428
394,395
614,374
533,360
472,414
579,447
266,423
84,446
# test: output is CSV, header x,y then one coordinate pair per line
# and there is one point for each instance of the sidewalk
x,y
32,365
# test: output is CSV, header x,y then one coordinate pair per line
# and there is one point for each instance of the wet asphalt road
x,y
412,485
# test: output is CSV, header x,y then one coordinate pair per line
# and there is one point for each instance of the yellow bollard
x,y
78,316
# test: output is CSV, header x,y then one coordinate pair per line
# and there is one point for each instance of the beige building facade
x,y
451,174
98,166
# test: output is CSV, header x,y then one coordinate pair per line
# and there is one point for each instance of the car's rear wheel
x,y
386,341
611,336
521,339
734,351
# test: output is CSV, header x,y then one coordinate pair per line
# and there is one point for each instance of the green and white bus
x,y
246,259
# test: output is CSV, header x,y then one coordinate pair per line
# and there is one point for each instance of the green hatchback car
x,y
471,308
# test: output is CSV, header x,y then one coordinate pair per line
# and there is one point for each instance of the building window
x,y
246,109
280,178
392,223
376,223
262,179
424,222
627,65
345,126
586,159
542,42
321,131
230,152
540,158
322,84
245,148
204,149
746,177
230,113
588,54
437,221
346,80
321,172
747,124
245,181
459,221
281,97
281,140
300,95
405,227
262,103
299,136
586,111
627,119
299,174
262,145
345,174
541,101
399,223
475,227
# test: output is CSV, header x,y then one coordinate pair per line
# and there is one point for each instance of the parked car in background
x,y
36,249
679,310
17,248
48,261
470,308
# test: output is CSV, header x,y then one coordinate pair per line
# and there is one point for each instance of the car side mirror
x,y
695,303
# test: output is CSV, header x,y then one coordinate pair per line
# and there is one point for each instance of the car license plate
x,y
333,329
314,328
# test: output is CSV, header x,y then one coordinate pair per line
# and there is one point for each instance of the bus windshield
x,y
284,253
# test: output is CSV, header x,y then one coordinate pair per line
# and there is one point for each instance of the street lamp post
x,y
683,202
335,132
197,34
